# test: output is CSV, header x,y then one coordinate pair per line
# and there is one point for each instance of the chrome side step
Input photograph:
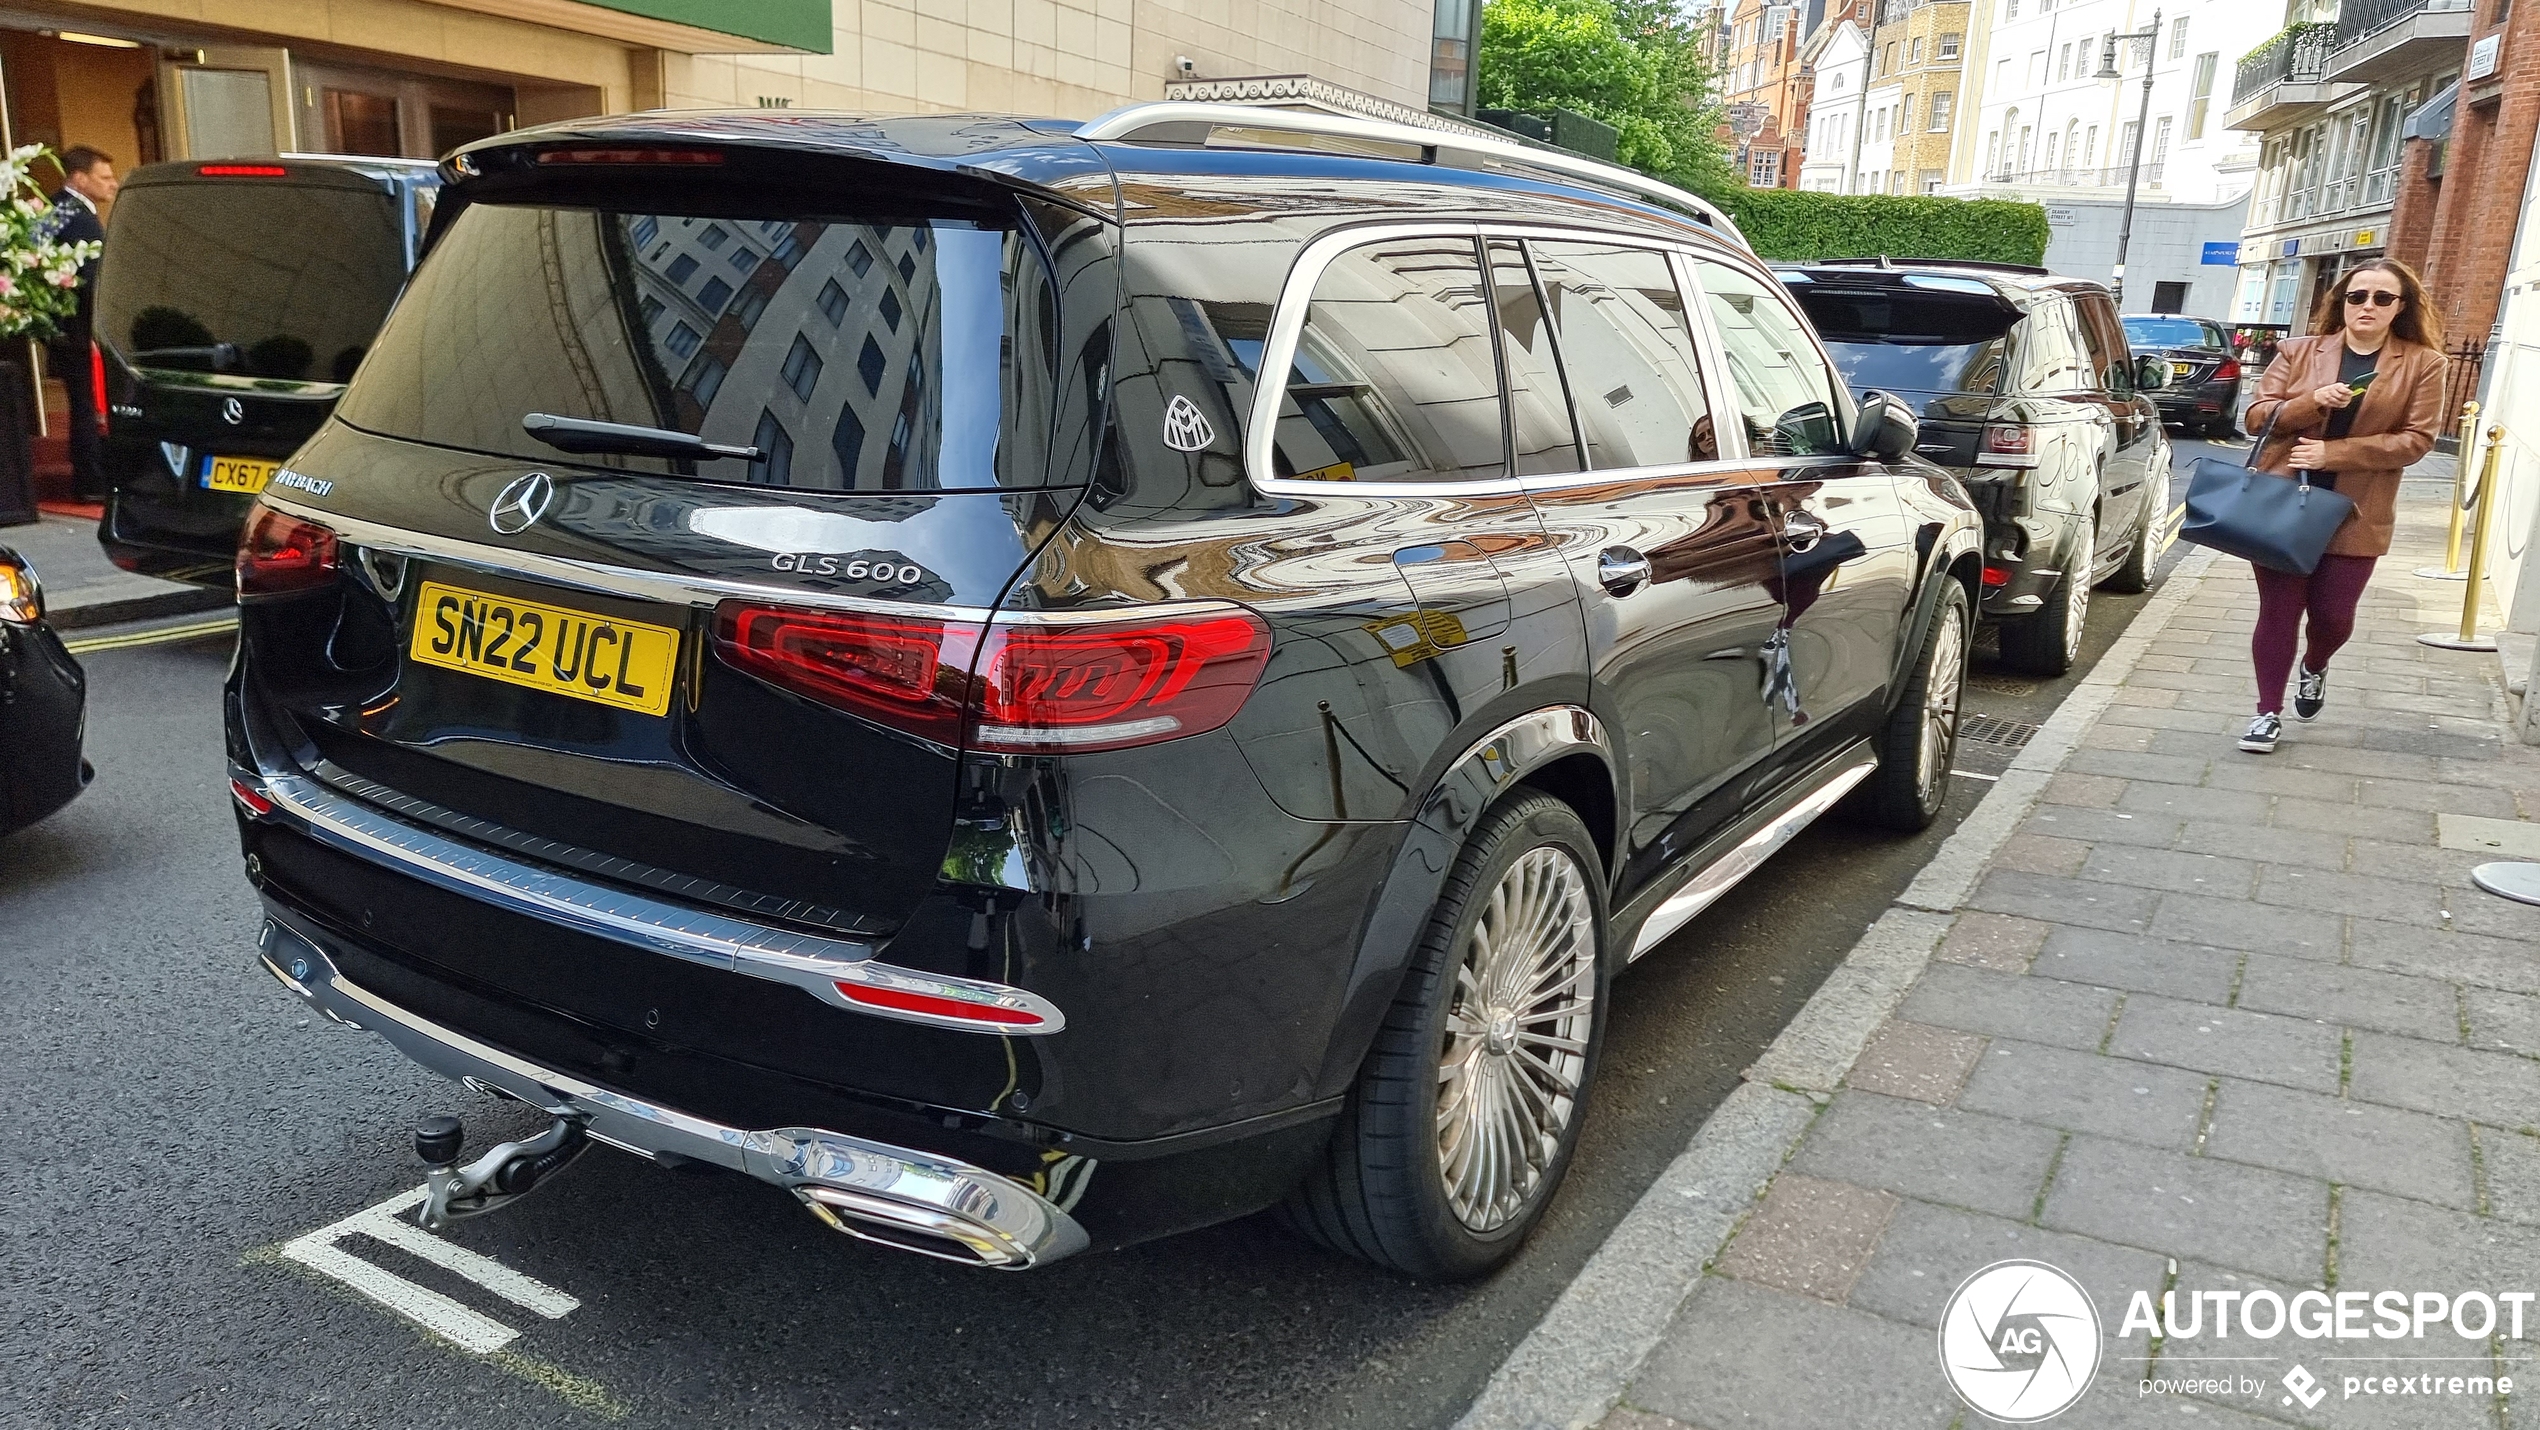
x,y
1722,874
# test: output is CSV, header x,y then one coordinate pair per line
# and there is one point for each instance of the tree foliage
x,y
1793,224
1636,65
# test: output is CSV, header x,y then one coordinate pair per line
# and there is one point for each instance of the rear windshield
x,y
1898,341
256,277
854,355
2170,333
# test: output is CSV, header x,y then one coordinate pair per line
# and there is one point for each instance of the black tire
x,y
1382,1193
1906,792
2047,642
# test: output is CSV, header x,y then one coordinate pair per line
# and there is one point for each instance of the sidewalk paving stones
x,y
2198,1020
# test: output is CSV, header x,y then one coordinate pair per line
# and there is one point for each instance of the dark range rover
x,y
808,649
234,300
2029,395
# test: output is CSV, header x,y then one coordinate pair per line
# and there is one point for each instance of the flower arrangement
x,y
39,274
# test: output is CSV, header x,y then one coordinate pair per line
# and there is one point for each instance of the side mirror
x,y
2151,373
1887,431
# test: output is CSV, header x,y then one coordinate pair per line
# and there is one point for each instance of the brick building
x,y
1917,64
2461,183
1760,67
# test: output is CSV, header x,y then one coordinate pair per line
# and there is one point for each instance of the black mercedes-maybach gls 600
x,y
810,647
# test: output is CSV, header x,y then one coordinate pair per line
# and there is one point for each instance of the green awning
x,y
794,24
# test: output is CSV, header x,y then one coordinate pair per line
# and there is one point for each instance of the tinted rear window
x,y
856,356
294,277
1911,342
2170,333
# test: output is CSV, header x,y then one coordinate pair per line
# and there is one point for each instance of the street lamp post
x,y
2150,37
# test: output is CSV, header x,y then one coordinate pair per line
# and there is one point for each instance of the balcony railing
x,y
2358,19
2297,56
2075,178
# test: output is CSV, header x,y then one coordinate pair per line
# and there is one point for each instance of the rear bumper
x,y
918,1201
2202,400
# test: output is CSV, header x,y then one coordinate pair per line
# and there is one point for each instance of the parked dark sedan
x,y
1039,685
43,704
235,298
2027,395
2204,387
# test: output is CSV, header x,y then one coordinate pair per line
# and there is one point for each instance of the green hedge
x,y
1792,224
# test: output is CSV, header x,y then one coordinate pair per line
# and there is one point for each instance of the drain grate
x,y
1994,730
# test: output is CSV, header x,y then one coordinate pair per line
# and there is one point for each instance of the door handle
x,y
1802,529
1621,570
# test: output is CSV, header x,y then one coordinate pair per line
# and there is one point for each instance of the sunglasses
x,y
2378,297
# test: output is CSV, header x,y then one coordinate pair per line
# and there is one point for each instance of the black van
x,y
1040,685
234,300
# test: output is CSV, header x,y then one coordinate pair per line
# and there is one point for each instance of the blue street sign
x,y
2223,254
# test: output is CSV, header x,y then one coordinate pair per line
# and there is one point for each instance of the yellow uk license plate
x,y
556,649
238,474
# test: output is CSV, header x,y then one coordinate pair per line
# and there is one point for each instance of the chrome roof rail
x,y
1189,122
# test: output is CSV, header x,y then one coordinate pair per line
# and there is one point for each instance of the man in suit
x,y
79,213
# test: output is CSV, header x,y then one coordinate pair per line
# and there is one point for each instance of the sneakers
x,y
2261,735
2311,694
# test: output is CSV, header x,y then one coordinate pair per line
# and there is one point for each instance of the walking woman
x,y
2354,404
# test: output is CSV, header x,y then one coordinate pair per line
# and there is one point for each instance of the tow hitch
x,y
495,1180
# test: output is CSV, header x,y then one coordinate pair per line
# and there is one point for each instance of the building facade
x,y
2046,124
2460,202
1764,88
1911,113
2330,98
1838,53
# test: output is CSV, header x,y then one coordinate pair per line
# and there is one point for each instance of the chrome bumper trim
x,y
826,968
997,1221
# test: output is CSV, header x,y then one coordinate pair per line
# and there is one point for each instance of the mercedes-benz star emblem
x,y
232,411
521,503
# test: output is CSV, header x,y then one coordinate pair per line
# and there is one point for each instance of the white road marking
x,y
444,1317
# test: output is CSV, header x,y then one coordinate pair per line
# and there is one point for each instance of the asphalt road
x,y
174,1119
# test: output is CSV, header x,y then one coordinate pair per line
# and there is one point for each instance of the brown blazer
x,y
2395,423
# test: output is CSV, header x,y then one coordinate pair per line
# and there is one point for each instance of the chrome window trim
x,y
1287,325
815,963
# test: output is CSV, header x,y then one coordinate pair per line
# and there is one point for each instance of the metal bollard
x,y
2451,570
2469,638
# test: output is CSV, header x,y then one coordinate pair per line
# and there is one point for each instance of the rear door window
x,y
1394,379
1786,393
1538,409
1634,376
2051,355
856,356
257,277
2104,346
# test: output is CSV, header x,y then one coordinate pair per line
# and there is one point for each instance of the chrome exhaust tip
x,y
927,1231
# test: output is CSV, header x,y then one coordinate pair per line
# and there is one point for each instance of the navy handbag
x,y
2282,523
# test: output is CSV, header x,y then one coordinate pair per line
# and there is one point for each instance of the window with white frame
x,y
2127,139
1941,104
2064,64
1949,46
2090,146
1931,181
1914,50
2200,94
1905,114
2178,38
2160,139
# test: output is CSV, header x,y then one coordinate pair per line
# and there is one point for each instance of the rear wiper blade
x,y
580,436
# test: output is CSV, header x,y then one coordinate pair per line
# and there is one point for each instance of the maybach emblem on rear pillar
x,y
1186,428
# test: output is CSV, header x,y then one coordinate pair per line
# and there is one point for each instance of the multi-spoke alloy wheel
x,y
1516,1038
1935,751
1468,1108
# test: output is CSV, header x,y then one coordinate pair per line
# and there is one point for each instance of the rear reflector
x,y
279,555
631,156
242,171
247,796
961,1010
1100,683
1997,576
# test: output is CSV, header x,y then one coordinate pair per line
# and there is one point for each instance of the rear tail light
x,y
2229,371
2007,444
243,171
250,798
1996,576
1102,683
280,554
631,156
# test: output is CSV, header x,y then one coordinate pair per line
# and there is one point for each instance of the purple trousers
x,y
2328,595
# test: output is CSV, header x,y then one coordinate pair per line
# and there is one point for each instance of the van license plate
x,y
238,474
556,649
